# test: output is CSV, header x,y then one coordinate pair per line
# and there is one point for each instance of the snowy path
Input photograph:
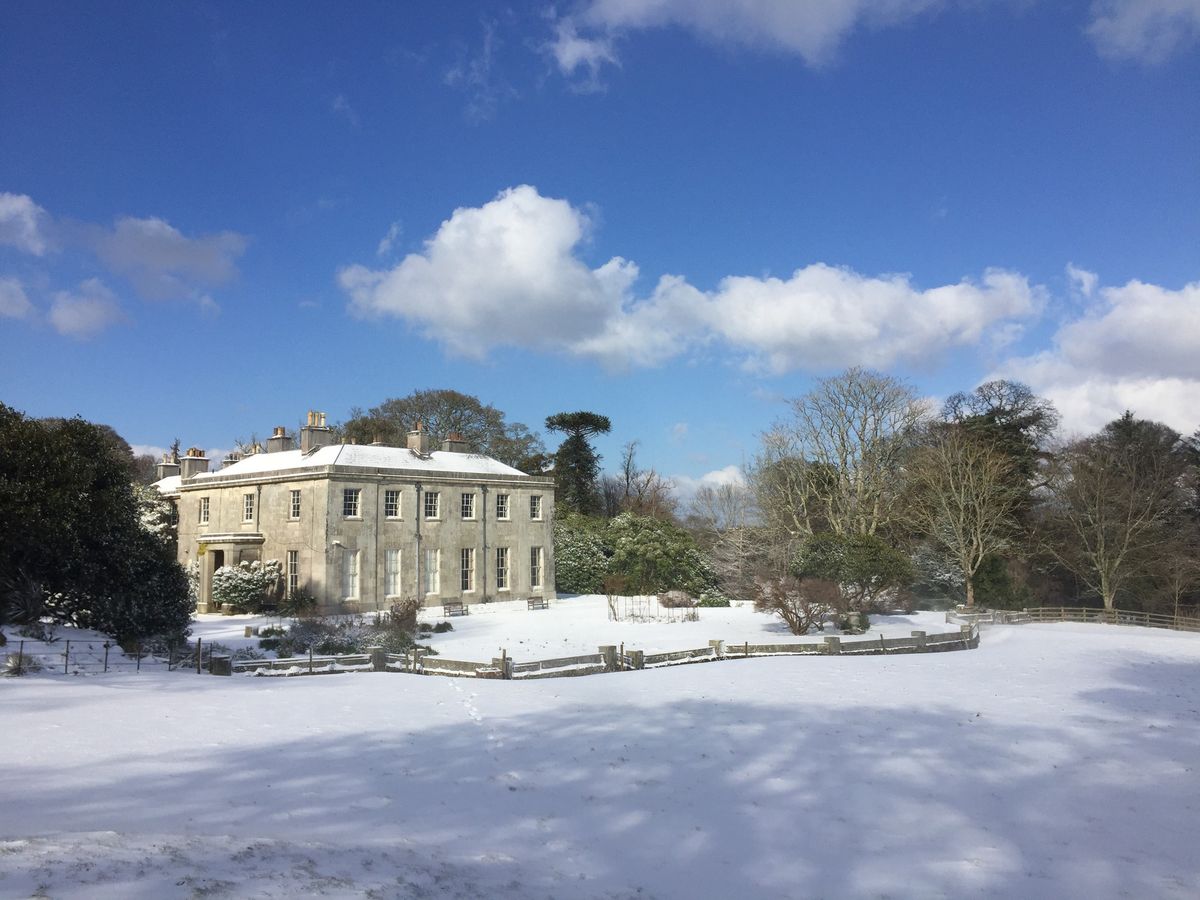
x,y
1055,761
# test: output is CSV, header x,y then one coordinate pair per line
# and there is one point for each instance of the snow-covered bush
x,y
580,554
656,556
800,602
713,599
247,586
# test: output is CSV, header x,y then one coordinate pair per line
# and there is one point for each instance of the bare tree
x,y
1114,500
800,602
642,492
725,521
836,463
964,497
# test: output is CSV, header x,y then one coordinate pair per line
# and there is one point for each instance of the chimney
x,y
455,443
279,441
315,434
193,464
418,440
167,467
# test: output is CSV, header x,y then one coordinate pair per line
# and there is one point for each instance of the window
x,y
247,507
350,498
203,510
535,567
173,515
467,581
293,570
468,506
391,504
535,507
433,559
294,512
431,504
502,506
391,573
502,568
350,574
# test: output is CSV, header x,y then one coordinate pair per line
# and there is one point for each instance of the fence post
x,y
199,643
833,644
637,659
378,659
66,657
609,653
718,648
106,645
21,658
621,657
922,641
310,660
137,649
746,649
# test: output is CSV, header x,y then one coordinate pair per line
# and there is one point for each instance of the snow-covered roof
x,y
168,485
364,456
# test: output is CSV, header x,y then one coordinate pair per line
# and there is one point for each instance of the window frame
x,y
504,500
292,573
536,567
431,575
204,510
391,501
350,574
467,506
347,495
535,507
392,575
466,568
503,574
294,506
436,497
247,507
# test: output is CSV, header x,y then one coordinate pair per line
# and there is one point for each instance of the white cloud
x,y
1082,281
24,224
1146,31
148,450
389,240
85,313
813,29
161,262
13,302
573,53
509,274
686,487
1134,347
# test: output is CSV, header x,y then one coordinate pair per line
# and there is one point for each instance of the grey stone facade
x,y
361,527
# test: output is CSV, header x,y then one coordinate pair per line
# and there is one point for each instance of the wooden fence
x,y
609,659
1074,614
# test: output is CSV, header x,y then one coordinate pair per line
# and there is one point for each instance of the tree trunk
x,y
970,592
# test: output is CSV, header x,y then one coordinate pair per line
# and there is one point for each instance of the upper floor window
x,y
203,510
391,504
294,511
350,499
468,506
173,515
502,506
535,506
432,501
247,507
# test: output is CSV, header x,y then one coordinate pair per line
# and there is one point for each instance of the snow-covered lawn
x,y
577,625
1055,761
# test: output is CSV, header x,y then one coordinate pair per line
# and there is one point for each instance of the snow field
x,y
1055,761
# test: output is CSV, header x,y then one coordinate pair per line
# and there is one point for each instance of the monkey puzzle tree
x,y
576,463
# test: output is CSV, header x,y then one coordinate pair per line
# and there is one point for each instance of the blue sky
x,y
214,217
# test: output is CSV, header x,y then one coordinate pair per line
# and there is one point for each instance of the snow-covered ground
x,y
1055,761
577,625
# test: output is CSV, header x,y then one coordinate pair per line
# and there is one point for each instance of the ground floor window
x,y
293,572
467,567
350,574
433,559
535,567
391,573
502,568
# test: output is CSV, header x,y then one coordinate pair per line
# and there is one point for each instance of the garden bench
x,y
454,608
538,603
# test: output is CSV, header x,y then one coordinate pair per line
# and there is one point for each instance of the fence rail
x,y
71,656
1075,614
609,659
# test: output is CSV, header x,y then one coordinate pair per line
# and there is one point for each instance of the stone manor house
x,y
362,526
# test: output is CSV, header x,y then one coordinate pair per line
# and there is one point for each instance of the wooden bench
x,y
454,608
538,603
